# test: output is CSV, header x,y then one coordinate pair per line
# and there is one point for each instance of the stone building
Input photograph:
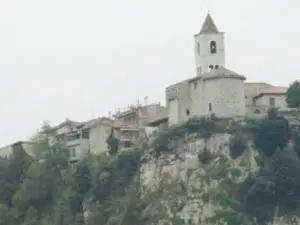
x,y
131,122
215,89
260,97
83,137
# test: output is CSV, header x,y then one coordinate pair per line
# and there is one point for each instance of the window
x,y
85,135
73,152
198,48
211,67
257,111
187,112
209,107
127,144
213,47
216,66
272,102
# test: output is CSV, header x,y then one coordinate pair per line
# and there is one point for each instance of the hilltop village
x,y
214,90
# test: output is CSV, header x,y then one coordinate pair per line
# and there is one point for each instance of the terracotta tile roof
x,y
275,90
271,91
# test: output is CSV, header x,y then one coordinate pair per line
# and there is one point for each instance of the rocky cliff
x,y
207,174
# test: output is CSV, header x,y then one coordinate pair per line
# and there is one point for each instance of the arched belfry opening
x,y
213,47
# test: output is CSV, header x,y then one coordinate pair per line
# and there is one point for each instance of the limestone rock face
x,y
188,183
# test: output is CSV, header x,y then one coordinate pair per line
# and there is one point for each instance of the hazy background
x,y
83,58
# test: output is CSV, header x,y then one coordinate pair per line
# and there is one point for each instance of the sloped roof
x,y
71,123
278,90
272,91
208,26
221,72
95,122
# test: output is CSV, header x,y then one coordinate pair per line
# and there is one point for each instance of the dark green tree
x,y
272,134
293,95
13,173
112,143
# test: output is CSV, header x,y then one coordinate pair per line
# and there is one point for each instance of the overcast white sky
x,y
83,58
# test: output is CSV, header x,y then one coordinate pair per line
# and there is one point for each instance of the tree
x,y
293,95
112,143
272,134
12,174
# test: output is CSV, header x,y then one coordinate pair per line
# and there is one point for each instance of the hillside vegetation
x,y
107,189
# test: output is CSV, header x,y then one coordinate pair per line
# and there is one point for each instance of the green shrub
x,y
272,134
162,142
205,156
259,160
168,139
296,139
113,144
203,126
237,145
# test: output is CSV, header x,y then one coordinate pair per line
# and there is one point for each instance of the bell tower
x,y
209,47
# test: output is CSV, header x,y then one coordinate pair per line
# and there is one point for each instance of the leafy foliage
x,y
205,156
47,190
237,145
293,95
274,188
272,134
169,139
112,143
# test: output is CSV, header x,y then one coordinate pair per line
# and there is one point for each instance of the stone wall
x,y
183,168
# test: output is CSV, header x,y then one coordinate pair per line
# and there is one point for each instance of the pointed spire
x,y
208,26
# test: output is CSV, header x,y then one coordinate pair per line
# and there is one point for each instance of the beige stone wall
x,y
226,97
173,112
5,151
197,98
98,137
264,100
181,93
253,89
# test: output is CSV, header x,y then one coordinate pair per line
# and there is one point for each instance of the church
x,y
216,89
